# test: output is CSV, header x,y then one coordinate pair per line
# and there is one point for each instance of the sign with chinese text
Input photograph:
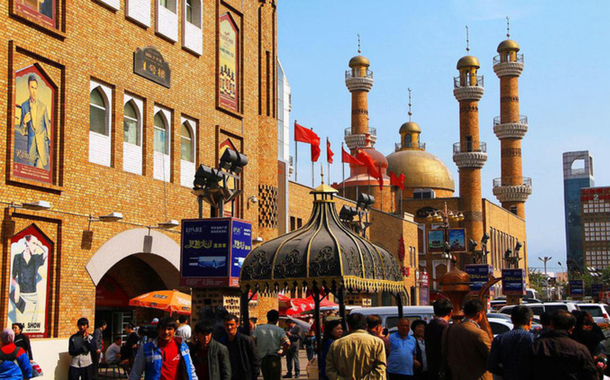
x,y
479,275
595,194
28,297
577,288
596,289
228,70
213,250
513,282
149,63
33,125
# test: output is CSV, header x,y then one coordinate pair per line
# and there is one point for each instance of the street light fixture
x,y
172,223
34,206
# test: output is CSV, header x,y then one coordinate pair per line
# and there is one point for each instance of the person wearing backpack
x,y
14,362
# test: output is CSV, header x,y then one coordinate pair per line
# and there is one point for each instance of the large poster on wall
x,y
457,239
33,125
30,256
436,240
228,68
42,11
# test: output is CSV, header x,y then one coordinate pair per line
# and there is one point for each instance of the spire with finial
x,y
507,27
410,113
359,44
467,40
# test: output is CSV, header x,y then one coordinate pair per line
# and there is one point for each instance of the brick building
x,y
186,79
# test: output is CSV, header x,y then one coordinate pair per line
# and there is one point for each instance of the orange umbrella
x,y
167,300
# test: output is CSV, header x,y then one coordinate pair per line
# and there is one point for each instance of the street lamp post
x,y
445,216
546,277
559,286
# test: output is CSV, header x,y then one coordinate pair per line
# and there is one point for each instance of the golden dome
x,y
468,61
508,45
359,60
421,170
409,126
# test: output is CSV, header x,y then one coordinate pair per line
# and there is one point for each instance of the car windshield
x,y
498,328
554,308
595,311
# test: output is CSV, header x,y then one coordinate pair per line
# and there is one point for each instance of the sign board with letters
x,y
213,250
149,63
577,288
596,289
513,282
479,275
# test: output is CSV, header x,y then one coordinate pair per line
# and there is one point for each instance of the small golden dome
x,y
359,60
421,170
409,126
468,61
508,45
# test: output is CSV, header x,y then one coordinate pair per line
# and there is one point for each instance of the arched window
x,y
131,125
186,143
98,113
407,141
160,127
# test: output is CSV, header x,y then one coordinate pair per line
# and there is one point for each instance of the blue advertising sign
x,y
212,251
513,282
479,275
596,289
577,288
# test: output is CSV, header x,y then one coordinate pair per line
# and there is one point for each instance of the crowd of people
x,y
568,346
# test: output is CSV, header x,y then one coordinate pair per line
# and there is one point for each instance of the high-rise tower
x,y
470,153
512,189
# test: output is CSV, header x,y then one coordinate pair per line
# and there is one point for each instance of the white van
x,y
389,314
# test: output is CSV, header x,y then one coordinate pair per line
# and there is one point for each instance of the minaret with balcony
x,y
511,189
470,154
359,81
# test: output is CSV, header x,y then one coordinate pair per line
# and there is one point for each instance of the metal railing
x,y
357,74
500,59
510,181
469,81
419,145
522,120
372,131
470,146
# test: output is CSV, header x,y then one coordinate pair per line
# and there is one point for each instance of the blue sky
x,y
563,89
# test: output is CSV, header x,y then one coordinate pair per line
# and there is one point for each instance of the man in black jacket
x,y
557,356
211,359
245,362
433,335
80,347
98,345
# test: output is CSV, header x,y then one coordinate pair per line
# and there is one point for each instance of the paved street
x,y
303,362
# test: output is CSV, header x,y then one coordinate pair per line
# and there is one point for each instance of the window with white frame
x,y
161,135
192,37
167,19
132,134
138,11
100,129
187,152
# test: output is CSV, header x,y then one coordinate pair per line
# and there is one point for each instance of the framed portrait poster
x,y
228,68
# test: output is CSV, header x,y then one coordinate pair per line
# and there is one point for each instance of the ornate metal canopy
x,y
323,253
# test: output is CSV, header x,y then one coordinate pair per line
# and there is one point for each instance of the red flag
x,y
329,153
349,159
315,151
398,181
368,162
305,135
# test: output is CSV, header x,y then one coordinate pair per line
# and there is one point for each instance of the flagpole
x,y
296,156
343,170
381,188
312,174
401,213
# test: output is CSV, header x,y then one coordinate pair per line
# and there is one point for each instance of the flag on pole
x,y
367,161
398,181
349,159
329,153
302,134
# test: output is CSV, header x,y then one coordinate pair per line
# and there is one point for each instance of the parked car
x,y
500,324
539,308
389,314
599,311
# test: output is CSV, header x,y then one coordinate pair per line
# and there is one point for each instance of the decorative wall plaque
x,y
149,63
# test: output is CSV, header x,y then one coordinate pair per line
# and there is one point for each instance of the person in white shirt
x,y
113,353
184,329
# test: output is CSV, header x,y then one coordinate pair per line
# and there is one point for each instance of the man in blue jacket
x,y
165,357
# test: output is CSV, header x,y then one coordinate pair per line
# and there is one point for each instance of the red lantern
x,y
401,249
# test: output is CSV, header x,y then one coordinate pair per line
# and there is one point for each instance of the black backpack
x,y
10,357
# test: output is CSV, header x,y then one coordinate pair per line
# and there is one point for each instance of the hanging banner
x,y
436,240
457,239
228,70
28,290
213,251
33,125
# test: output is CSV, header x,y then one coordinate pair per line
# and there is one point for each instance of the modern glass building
x,y
577,174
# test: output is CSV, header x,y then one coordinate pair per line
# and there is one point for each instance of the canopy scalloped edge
x,y
349,283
